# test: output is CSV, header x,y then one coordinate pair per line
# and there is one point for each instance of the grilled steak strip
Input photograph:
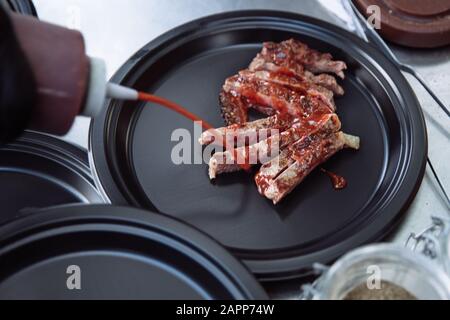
x,y
262,152
293,52
308,154
293,83
296,59
270,170
234,108
246,132
315,61
325,80
281,99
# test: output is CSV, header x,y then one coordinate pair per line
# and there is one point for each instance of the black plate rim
x,y
67,155
51,221
273,270
22,6
42,142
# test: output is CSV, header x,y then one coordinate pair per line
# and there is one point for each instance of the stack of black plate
x,y
81,251
105,252
20,6
38,171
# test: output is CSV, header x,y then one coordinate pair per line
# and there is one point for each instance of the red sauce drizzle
x,y
175,107
182,111
337,181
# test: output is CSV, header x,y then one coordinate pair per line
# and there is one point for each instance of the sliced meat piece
x,y
222,162
292,52
245,157
264,151
270,170
308,154
326,81
304,87
246,131
295,70
240,158
234,109
315,61
280,98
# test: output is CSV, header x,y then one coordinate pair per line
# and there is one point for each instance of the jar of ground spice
x,y
382,272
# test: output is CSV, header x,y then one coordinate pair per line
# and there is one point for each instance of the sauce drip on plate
x,y
337,181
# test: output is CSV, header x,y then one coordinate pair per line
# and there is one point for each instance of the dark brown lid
x,y
412,23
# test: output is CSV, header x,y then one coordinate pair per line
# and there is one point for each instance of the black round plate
x,y
116,253
21,6
39,171
131,145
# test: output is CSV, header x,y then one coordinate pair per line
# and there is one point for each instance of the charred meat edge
x,y
296,52
306,159
234,108
281,99
240,132
293,83
228,161
324,80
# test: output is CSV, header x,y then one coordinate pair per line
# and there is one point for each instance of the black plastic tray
x,y
38,171
105,252
131,145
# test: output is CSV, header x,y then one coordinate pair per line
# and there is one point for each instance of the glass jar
x,y
394,265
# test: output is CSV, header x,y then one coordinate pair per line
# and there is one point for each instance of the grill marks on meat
x,y
272,169
293,85
234,108
297,59
265,150
313,60
247,133
278,178
273,96
280,79
325,80
298,56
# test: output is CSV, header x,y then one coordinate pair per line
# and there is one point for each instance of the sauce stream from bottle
x,y
174,107
189,115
